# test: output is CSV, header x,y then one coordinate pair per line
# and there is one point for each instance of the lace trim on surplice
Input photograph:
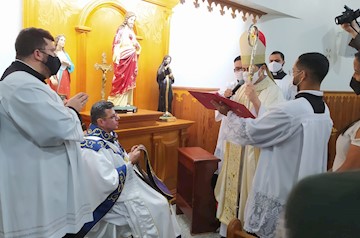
x,y
263,213
242,130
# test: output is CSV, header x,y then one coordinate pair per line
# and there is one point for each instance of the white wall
x,y
10,27
204,44
313,30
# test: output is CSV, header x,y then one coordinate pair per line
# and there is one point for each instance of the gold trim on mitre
x,y
246,50
258,59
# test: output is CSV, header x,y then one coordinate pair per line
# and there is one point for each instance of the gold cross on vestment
x,y
105,68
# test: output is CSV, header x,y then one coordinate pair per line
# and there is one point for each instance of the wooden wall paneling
x,y
204,132
344,108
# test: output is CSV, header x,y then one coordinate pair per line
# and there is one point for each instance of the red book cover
x,y
205,99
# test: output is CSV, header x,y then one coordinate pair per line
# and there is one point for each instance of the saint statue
x,y
126,50
165,79
61,81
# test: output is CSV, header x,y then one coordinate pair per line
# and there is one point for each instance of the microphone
x,y
241,82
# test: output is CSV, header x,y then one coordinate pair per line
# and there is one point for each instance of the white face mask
x,y
246,76
297,85
255,77
274,67
238,75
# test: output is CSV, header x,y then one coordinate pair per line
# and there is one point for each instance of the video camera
x,y
348,16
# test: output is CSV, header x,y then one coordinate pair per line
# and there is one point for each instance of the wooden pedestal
x,y
195,196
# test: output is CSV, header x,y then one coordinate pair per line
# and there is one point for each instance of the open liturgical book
x,y
205,99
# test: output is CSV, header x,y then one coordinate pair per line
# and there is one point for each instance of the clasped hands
x,y
135,152
77,102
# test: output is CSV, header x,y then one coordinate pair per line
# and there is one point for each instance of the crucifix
x,y
105,68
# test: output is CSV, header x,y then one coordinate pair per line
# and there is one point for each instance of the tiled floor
x,y
184,223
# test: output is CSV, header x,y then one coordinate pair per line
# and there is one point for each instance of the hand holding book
x,y
214,101
221,107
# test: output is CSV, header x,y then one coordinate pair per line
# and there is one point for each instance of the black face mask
x,y
355,85
53,63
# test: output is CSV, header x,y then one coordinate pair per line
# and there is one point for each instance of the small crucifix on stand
x,y
105,68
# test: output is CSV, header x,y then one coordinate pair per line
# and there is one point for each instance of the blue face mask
x,y
355,85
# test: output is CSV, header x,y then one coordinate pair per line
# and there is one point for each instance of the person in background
x,y
136,208
219,149
43,191
293,137
61,81
323,206
165,79
231,198
348,143
329,211
354,30
348,148
126,50
284,81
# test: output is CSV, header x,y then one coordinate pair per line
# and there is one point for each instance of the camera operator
x,y
354,31
348,22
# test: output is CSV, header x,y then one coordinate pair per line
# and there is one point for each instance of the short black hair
x,y
237,58
279,53
98,110
30,39
316,64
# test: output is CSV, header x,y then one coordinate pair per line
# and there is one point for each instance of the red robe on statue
x,y
125,61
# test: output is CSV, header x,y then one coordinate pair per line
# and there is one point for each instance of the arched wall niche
x,y
89,27
99,18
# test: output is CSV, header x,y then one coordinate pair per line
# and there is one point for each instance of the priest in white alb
x,y
293,137
230,204
42,177
125,205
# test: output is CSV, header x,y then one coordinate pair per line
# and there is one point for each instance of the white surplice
x,y
219,149
140,211
42,181
226,190
287,87
294,144
268,94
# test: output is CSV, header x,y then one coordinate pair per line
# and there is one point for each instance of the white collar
x,y
314,92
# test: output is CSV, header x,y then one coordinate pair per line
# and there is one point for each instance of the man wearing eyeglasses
x,y
134,208
42,185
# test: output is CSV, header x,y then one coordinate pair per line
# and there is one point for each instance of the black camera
x,y
348,16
